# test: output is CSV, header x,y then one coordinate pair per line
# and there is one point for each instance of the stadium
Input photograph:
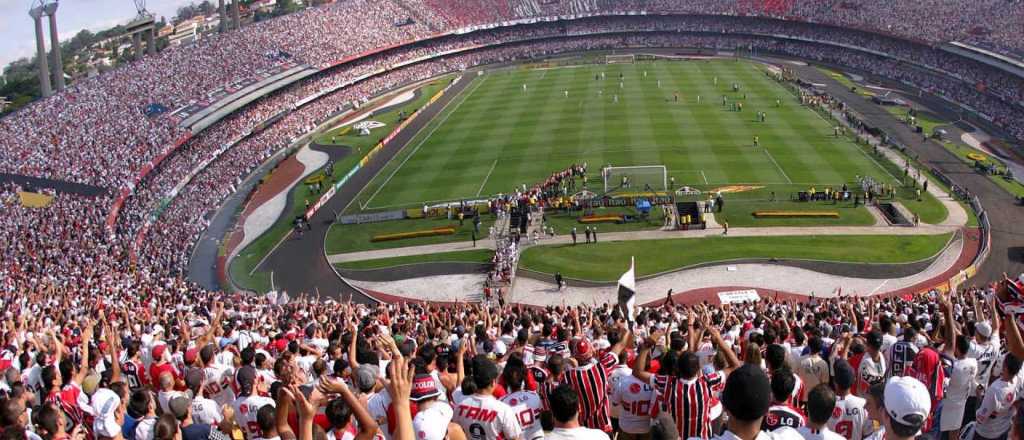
x,y
442,169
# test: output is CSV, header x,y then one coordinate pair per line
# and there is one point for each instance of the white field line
x,y
422,141
703,176
425,202
878,164
777,165
486,178
272,250
861,150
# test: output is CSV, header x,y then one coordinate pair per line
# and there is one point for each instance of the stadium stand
x,y
126,253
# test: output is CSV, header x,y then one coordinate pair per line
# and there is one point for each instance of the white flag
x,y
627,291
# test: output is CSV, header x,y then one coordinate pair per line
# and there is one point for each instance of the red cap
x,y
158,351
190,355
581,348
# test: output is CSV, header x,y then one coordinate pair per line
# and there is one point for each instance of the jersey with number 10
x,y
527,407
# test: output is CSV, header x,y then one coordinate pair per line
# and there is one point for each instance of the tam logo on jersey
x,y
477,413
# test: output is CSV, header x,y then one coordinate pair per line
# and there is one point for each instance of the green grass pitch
x,y
497,136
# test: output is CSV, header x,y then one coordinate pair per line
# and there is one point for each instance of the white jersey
x,y
961,386
818,434
635,397
378,405
163,399
996,409
527,407
206,411
850,418
34,380
986,355
432,423
246,408
218,384
618,373
486,418
870,373
579,433
887,341
440,386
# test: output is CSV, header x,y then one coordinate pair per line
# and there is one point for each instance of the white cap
x,y
984,329
907,401
432,423
105,403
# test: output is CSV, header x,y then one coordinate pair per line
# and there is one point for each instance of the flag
x,y
627,291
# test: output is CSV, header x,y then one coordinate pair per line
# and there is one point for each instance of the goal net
x,y
635,178
620,59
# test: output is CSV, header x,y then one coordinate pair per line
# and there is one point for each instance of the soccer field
x,y
496,135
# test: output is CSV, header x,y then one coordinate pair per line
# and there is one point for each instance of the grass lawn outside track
x,y
473,256
593,262
241,267
355,238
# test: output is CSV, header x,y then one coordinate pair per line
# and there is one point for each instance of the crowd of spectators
x,y
103,115
107,331
157,364
158,228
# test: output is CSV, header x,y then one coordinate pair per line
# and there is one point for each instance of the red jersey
x,y
156,370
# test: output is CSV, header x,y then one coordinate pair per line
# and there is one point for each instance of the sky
x,y
17,32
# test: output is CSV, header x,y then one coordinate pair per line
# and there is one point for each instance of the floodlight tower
x,y
142,26
145,16
58,65
37,12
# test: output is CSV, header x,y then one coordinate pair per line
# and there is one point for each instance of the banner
x,y
371,217
738,296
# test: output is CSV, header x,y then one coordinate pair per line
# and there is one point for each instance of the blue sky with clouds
x,y
17,33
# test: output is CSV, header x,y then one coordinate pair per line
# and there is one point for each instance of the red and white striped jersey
x,y
689,401
591,384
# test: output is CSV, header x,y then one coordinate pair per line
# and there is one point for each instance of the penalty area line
x,y
486,178
424,139
777,165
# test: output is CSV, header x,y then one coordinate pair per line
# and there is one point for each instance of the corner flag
x,y
627,291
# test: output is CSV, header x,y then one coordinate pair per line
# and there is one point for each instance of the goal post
x,y
620,59
635,178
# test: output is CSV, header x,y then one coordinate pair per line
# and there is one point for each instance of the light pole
x,y
37,13
58,65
